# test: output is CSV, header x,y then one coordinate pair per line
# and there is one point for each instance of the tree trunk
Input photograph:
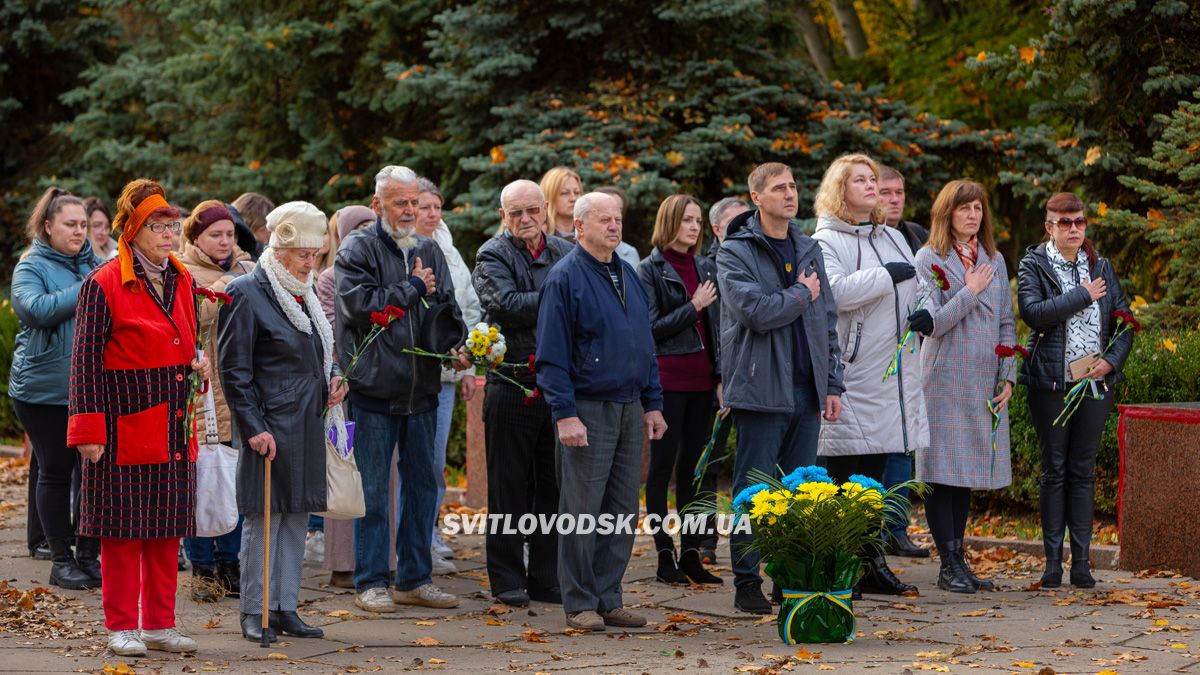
x,y
852,30
815,38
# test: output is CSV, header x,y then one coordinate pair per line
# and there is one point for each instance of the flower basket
x,y
816,597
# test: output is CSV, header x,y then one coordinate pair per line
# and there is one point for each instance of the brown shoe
x,y
623,618
588,620
341,579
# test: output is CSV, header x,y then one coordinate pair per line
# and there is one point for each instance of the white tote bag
x,y
216,480
344,491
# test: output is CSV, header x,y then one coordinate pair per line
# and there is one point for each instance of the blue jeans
x,y
375,437
315,523
205,552
771,443
441,438
898,469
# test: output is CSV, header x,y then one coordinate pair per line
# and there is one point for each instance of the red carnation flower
x,y
224,298
1021,350
939,277
207,294
533,397
380,319
1004,351
394,311
532,360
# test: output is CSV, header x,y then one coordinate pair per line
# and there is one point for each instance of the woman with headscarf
x,y
45,290
211,254
133,372
277,365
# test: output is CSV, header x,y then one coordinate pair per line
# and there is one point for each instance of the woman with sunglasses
x,y
1067,295
132,369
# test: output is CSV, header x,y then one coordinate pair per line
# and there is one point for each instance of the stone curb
x,y
1102,557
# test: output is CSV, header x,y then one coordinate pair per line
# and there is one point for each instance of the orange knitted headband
x,y
139,216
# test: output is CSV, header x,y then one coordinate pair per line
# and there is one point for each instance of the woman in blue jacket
x,y
45,288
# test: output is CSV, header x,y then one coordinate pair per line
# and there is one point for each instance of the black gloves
x,y
900,271
921,321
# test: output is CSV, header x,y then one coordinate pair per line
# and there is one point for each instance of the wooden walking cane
x,y
266,595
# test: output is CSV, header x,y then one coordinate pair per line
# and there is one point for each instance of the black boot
x,y
951,576
749,598
87,556
1081,573
667,572
1080,495
230,576
252,629
65,572
289,623
204,584
880,579
690,565
980,584
899,544
1052,508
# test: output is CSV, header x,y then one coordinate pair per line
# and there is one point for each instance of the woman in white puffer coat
x,y
870,269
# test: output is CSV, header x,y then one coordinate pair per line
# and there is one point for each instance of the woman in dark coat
x,y
45,290
681,286
276,355
1067,295
130,394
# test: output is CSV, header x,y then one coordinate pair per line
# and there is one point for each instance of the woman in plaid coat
x,y
134,355
964,323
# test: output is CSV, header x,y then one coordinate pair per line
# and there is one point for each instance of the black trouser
x,y
46,426
689,419
946,509
708,484
34,537
521,479
841,467
1068,469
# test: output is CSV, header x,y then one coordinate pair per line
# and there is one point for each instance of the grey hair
x,y
400,174
587,203
719,209
512,187
426,185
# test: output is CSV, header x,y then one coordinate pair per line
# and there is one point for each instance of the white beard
x,y
405,237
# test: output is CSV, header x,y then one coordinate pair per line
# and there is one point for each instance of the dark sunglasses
x,y
1067,223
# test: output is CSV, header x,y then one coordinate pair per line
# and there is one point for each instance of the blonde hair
x,y
670,219
955,194
551,183
253,208
831,196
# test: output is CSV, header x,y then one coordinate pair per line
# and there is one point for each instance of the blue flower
x,y
741,503
806,474
868,483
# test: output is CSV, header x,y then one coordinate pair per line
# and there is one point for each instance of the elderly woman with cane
x,y
133,372
277,365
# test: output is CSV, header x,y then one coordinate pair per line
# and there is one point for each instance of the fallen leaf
x,y
977,612
337,612
212,623
803,653
435,661
425,623
427,642
532,635
278,656
492,621
1023,664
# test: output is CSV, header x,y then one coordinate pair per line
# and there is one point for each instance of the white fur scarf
x,y
287,288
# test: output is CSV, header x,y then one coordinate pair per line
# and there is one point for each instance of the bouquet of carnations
x,y
937,281
809,532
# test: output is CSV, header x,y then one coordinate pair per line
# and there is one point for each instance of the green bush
x,y
1161,369
10,426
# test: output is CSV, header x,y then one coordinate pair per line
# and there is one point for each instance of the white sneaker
x,y
126,643
425,596
314,548
441,566
375,600
440,548
168,640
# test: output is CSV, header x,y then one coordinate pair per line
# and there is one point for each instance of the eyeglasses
x,y
515,214
1067,223
158,228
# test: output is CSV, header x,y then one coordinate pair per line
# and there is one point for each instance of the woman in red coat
x,y
134,353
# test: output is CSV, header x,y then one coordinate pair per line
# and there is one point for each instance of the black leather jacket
x,y
507,280
672,316
1046,310
372,273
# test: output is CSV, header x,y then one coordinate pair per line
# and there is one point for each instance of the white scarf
x,y
287,288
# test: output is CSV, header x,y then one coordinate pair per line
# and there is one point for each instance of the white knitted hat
x,y
296,225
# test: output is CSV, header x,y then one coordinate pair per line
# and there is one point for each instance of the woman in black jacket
x,y
682,287
1067,295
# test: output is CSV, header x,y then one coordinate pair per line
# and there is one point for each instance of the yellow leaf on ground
x,y
212,623
532,635
496,622
1179,645
425,623
435,661
1169,345
937,668
803,653
337,613
977,612
278,656
427,642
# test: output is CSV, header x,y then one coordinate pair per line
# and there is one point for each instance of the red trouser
x,y
133,568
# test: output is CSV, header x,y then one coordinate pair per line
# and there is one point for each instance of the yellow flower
x,y
815,491
871,497
493,333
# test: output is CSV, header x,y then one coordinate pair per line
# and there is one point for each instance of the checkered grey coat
x,y
961,371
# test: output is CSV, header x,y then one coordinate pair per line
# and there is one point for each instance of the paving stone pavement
x,y
1126,625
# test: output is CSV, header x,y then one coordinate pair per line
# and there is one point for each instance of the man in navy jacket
x,y
596,368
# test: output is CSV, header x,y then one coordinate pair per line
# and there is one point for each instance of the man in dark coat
x,y
510,269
